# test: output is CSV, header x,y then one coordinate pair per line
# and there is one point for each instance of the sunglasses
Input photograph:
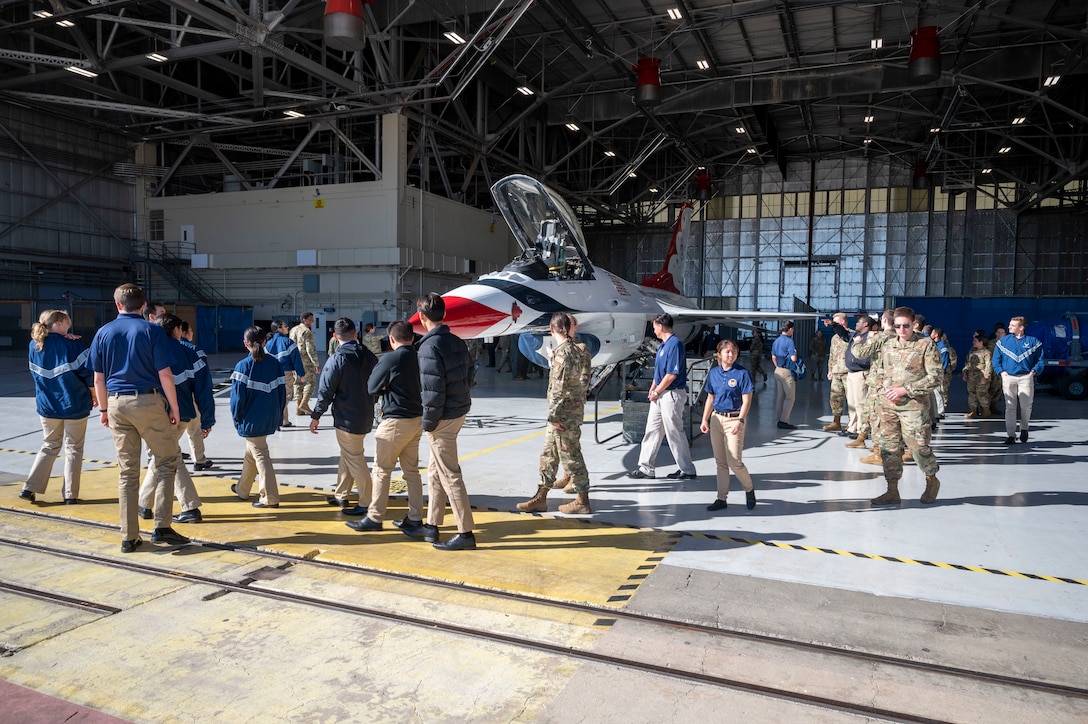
x,y
902,326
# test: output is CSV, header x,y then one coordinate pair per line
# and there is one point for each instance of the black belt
x,y
136,393
735,413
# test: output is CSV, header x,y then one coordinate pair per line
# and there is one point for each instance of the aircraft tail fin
x,y
671,271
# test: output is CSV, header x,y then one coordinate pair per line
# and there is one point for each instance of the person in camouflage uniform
x,y
568,383
303,337
953,360
836,369
996,392
910,371
755,354
882,331
977,371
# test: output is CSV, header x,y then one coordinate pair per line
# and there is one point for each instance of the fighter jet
x,y
554,274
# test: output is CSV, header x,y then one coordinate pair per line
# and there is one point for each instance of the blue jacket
x,y
62,378
194,384
446,375
1018,356
343,386
202,384
257,396
286,352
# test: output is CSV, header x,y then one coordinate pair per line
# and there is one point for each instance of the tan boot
x,y
932,487
985,412
578,506
908,457
890,497
834,426
538,503
304,406
569,489
875,458
562,482
859,442
971,415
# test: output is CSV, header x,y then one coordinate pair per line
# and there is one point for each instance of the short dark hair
x,y
787,326
369,327
169,322
130,297
904,312
432,306
343,325
664,319
307,315
401,331
184,326
722,344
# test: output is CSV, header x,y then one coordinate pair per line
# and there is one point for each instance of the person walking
x,y
63,397
782,351
857,371
257,395
1018,358
568,382
343,389
193,430
755,354
977,372
286,353
910,371
396,380
668,395
728,400
303,336
446,379
131,362
817,347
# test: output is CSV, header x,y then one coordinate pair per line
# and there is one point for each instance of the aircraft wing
x,y
735,317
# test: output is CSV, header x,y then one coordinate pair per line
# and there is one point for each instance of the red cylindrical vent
x,y
648,82
925,55
921,175
703,190
344,25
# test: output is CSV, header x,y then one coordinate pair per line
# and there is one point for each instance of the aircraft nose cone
x,y
469,318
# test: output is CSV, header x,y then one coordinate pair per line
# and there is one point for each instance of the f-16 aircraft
x,y
554,274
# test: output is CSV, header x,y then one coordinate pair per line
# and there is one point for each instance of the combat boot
x,y
578,506
304,406
859,442
908,457
971,415
890,497
985,412
932,486
875,458
562,482
538,503
834,426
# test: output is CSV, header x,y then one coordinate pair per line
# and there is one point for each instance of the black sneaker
x,y
185,456
26,495
206,465
718,504
168,535
1023,436
147,513
750,499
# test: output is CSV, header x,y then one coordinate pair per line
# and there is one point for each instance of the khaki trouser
x,y
855,399
1018,389
727,454
184,488
258,462
146,417
288,384
397,439
352,469
444,476
54,431
784,394
196,439
666,422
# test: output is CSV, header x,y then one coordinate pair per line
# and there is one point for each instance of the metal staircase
x,y
160,259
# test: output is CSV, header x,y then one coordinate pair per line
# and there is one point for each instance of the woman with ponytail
x,y
63,393
257,397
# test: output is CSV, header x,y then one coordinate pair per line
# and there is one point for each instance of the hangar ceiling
x,y
237,94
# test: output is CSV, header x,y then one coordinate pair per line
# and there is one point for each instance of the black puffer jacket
x,y
446,375
343,385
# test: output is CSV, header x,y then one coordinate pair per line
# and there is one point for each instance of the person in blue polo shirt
x,y
131,362
286,352
257,397
62,394
667,395
1018,358
784,350
728,399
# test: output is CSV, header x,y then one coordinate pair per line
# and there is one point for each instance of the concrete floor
x,y
813,561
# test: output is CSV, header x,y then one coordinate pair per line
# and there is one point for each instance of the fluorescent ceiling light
x,y
81,71
610,154
632,175
572,126
935,129
66,23
157,57
1050,82
294,114
525,90
752,150
42,14
867,141
868,119
654,190
703,64
876,43
675,14
987,170
740,130
454,38
1004,149
1018,120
